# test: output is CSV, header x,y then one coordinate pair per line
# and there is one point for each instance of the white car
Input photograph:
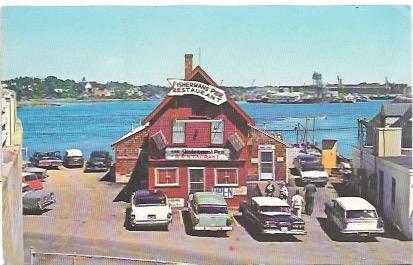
x,y
150,208
354,216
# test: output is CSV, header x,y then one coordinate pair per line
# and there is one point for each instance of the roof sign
x,y
209,93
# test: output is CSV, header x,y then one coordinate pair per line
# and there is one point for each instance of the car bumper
x,y
212,228
42,165
72,164
362,232
96,169
318,181
279,232
149,223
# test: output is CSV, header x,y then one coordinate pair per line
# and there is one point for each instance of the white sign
x,y
196,153
176,202
226,192
266,147
209,93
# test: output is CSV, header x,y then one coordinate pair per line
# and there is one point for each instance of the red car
x,y
32,180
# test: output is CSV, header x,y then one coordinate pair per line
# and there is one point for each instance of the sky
x,y
264,45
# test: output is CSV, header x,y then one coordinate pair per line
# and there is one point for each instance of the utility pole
x,y
313,130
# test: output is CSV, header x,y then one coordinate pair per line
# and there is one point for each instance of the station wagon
x,y
354,216
208,212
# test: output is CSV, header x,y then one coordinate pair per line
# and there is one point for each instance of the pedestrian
x,y
297,202
272,190
283,191
310,191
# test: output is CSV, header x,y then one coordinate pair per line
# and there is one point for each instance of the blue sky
x,y
277,45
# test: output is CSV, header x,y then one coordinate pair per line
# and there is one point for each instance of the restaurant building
x,y
197,139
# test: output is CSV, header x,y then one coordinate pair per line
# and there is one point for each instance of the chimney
x,y
188,64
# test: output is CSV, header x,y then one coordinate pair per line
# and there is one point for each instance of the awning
x,y
236,142
160,140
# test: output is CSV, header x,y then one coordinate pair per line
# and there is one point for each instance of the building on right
x,y
382,163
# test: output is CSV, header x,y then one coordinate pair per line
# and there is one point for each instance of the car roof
x,y
149,193
269,201
24,174
354,203
34,170
209,198
99,152
74,152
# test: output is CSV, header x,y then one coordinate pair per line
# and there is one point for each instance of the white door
x,y
266,164
196,179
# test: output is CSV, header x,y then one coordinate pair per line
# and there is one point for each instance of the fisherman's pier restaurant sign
x,y
197,154
209,93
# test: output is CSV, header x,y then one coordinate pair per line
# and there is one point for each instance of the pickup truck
x,y
271,215
354,216
310,169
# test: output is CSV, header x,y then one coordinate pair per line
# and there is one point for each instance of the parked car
x,y
37,200
73,158
208,212
98,161
271,215
354,216
313,172
32,180
304,158
41,173
46,159
150,208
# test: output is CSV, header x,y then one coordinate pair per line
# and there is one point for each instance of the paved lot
x,y
86,220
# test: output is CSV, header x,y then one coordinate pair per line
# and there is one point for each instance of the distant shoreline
x,y
60,101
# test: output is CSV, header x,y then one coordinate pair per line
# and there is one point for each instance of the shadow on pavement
x,y
109,176
256,235
332,232
392,232
188,228
35,212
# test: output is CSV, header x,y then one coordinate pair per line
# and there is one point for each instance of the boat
x,y
349,98
282,96
254,100
362,99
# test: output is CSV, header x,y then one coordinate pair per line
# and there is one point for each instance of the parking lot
x,y
86,220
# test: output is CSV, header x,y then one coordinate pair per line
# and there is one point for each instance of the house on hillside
x,y
101,92
198,139
382,164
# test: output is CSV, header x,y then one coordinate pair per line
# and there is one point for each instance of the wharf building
x,y
198,139
382,164
11,214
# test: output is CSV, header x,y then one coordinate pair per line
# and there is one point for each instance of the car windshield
x,y
150,200
266,209
212,209
357,214
309,166
30,177
97,159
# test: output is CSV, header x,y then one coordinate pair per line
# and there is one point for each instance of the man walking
x,y
310,191
297,202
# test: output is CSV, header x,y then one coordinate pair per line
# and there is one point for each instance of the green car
x,y
208,212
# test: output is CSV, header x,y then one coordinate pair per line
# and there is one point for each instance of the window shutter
x,y
236,142
159,140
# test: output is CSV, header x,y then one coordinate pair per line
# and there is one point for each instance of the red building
x,y
197,139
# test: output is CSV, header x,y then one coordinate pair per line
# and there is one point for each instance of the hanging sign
x,y
197,154
209,93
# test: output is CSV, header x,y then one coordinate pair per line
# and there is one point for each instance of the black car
x,y
98,161
46,159
271,215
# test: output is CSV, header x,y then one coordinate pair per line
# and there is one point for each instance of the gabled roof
x,y
133,132
270,135
199,72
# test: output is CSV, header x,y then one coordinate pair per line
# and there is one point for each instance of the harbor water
x,y
95,126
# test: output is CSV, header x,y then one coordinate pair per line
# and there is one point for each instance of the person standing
x,y
283,191
297,202
272,190
310,191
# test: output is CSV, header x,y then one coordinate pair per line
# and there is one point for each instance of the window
x,y
266,164
393,191
166,177
226,177
217,132
178,132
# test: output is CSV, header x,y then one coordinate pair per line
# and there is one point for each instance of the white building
x,y
383,165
